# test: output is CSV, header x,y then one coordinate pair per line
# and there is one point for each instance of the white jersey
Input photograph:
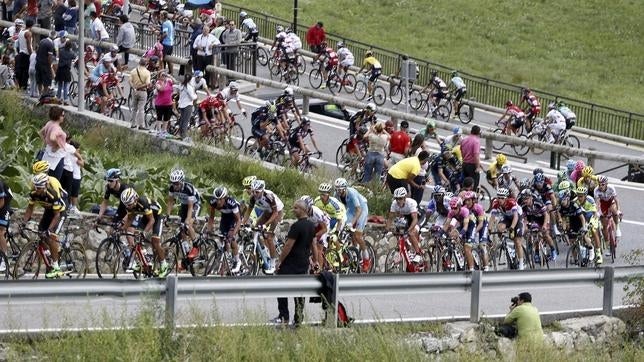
x,y
345,55
607,195
555,119
458,83
318,217
295,41
228,95
567,112
249,25
409,207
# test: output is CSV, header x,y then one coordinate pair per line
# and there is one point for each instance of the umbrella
x,y
199,4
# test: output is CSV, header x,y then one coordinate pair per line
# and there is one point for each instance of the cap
x,y
62,34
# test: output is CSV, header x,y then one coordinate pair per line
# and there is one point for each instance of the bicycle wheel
x,y
368,240
332,260
252,260
521,150
73,93
572,256
441,113
484,198
360,90
109,258
539,138
447,261
572,141
349,83
335,84
340,154
612,241
465,113
262,56
274,67
379,95
6,274
545,261
198,265
73,261
498,145
416,100
235,136
117,113
396,95
28,265
301,64
394,262
350,260
315,78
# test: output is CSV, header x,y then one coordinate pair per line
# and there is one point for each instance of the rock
x,y
431,344
601,328
449,343
562,340
506,349
464,331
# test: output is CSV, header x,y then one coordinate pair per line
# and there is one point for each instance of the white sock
x,y
365,254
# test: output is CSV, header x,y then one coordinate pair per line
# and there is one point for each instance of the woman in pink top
x,y
163,102
55,140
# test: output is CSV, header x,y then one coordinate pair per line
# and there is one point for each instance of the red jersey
x,y
108,79
211,103
399,142
506,210
332,56
515,111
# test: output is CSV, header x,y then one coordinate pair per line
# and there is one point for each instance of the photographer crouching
x,y
522,321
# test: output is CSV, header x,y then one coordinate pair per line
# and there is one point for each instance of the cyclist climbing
x,y
429,132
507,215
406,208
212,113
230,220
492,172
459,89
190,205
260,120
364,117
515,121
113,187
588,205
555,122
438,206
370,63
437,88
536,212
346,59
332,207
357,213
328,59
507,181
533,106
588,178
296,140
460,224
480,234
608,206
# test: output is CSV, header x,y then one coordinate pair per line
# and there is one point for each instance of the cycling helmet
x,y
525,183
233,86
325,188
154,59
564,185
305,121
562,174
563,194
579,165
279,28
112,174
570,165
506,169
258,185
448,195
457,131
539,178
40,167
587,171
368,53
501,159
552,105
581,190
242,14
537,171
198,74
469,195
438,190
603,180
107,58
177,175
502,192
455,202
129,196
220,192
288,29
40,180
272,108
454,73
430,124
248,180
288,91
371,107
526,193
400,193
508,103
341,183
340,44
434,73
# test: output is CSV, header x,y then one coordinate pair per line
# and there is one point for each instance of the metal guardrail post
x,y
305,104
609,273
336,293
475,303
591,159
170,301
488,148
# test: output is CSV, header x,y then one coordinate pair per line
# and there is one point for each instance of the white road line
x,y
639,223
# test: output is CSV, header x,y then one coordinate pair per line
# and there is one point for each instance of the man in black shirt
x,y
295,259
5,214
45,56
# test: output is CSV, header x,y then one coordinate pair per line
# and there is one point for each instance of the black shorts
x,y
5,216
507,221
226,224
100,92
516,122
167,50
183,211
164,113
43,76
75,188
157,229
375,73
258,132
440,94
47,217
460,93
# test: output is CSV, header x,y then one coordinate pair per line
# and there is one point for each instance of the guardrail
x,y
242,288
308,93
488,91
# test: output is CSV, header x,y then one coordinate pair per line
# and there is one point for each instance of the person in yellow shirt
x,y
402,174
372,64
588,179
524,317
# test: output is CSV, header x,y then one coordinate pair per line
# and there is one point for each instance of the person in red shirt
x,y
212,110
399,143
107,82
533,109
515,121
315,36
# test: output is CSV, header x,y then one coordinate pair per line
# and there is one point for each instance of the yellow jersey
x,y
334,208
371,62
51,199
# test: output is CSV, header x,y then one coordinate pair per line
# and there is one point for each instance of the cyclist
x,y
406,208
252,32
438,206
296,142
556,123
546,194
190,205
260,119
588,179
588,205
212,114
536,212
608,206
569,115
246,197
346,59
113,187
106,83
459,89
515,121
459,223
370,63
480,233
507,181
151,224
429,132
437,87
446,170
454,139
570,210
155,56
332,207
230,220
321,221
198,82
562,175
507,215
272,213
357,213
286,103
328,62
294,41
364,117
47,192
100,69
533,106
575,175
495,167
5,217
231,93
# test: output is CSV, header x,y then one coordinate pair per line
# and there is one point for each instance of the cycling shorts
x,y
460,93
258,132
331,64
516,122
534,111
346,62
518,229
375,73
183,211
440,94
362,219
604,206
5,216
157,228
226,225
47,217
265,216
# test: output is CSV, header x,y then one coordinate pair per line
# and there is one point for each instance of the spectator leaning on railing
x,y
315,36
230,37
125,38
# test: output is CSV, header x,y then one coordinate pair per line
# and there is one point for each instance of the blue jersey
x,y
352,200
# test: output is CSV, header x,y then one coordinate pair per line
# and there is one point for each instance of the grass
x,y
585,49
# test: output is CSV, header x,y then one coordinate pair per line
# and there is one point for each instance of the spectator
x,y
98,31
45,56
33,85
404,172
419,145
315,36
219,26
378,141
64,71
231,37
523,320
71,157
45,13
25,49
167,32
7,10
140,82
11,33
5,217
400,143
294,259
125,38
5,73
59,41
71,17
32,10
163,102
77,164
55,140
204,45
196,28
471,150
187,97
61,9
19,8
87,15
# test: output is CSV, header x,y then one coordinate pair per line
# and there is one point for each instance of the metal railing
x,y
488,91
242,288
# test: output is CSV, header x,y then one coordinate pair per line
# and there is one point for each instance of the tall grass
x,y
585,49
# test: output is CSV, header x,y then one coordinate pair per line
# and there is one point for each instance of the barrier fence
x,y
174,289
